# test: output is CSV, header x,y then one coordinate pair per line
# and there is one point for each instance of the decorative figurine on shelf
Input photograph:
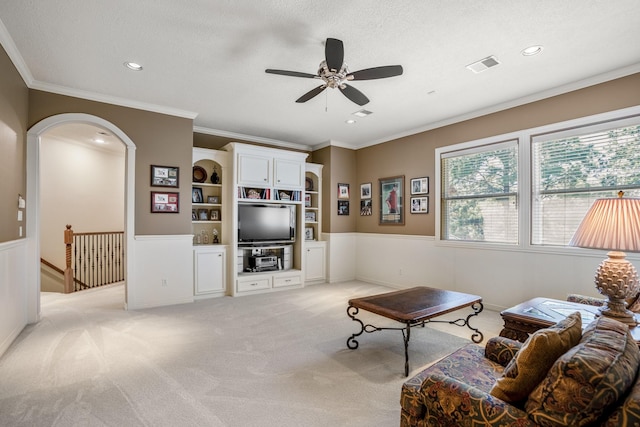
x,y
215,179
215,236
205,237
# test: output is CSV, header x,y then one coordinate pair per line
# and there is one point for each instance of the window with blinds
x,y
479,194
571,169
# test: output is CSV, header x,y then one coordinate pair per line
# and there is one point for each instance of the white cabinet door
x,y
314,263
254,170
209,264
288,173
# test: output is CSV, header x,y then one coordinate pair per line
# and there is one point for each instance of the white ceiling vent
x,y
483,64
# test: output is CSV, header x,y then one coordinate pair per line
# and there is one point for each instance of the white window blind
x,y
570,170
479,195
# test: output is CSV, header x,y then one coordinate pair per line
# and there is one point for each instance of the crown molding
x,y
114,100
12,51
251,138
559,90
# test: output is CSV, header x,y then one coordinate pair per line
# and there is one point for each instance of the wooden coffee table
x,y
414,307
538,313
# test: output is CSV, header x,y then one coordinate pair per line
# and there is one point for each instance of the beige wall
x,y
414,156
14,97
160,140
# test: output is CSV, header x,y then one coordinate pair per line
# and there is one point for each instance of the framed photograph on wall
x,y
164,176
343,207
420,185
343,191
365,190
366,208
165,202
392,200
419,205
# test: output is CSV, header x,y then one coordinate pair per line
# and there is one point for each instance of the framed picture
x,y
203,215
213,200
165,202
420,185
307,200
215,215
365,207
308,233
343,191
392,200
164,176
196,195
310,216
194,215
419,205
365,191
343,207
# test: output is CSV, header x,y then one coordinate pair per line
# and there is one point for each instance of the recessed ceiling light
x,y
532,50
133,66
350,121
362,113
98,140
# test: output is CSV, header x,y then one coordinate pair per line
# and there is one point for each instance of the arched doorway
x,y
33,201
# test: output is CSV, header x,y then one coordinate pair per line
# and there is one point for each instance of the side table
x,y
537,313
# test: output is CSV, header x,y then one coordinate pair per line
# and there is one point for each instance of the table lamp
x,y
613,224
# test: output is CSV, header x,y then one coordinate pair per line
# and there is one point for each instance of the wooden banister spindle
x,y
68,272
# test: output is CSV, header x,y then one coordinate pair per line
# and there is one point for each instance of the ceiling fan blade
x,y
354,94
291,73
334,54
307,96
376,73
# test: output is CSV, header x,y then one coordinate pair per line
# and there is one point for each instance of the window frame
x,y
524,139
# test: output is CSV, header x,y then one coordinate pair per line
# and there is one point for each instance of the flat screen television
x,y
266,223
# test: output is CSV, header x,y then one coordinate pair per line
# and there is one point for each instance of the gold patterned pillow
x,y
586,381
535,358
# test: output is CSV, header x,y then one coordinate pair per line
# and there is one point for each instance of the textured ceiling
x,y
206,59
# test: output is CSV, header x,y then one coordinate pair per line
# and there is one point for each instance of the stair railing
x,y
93,259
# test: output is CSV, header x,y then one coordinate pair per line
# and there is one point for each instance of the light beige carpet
x,y
276,359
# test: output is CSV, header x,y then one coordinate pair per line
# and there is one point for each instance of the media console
x,y
256,259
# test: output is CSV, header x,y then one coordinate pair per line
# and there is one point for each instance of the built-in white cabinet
x,y
314,262
274,178
210,222
254,170
209,264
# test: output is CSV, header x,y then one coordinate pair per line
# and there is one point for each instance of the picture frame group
x,y
162,202
165,176
205,215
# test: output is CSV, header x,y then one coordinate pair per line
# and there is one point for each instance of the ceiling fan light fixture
x,y
133,66
532,50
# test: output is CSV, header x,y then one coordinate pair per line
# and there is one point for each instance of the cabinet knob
x,y
219,255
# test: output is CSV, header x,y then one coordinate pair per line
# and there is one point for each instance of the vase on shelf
x,y
215,179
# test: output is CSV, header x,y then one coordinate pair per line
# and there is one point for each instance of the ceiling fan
x,y
335,74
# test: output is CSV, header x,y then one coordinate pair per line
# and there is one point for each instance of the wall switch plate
x,y
19,215
21,202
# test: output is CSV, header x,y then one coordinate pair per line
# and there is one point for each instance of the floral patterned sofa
x,y
578,378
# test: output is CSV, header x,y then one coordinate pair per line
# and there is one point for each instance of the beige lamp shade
x,y
612,223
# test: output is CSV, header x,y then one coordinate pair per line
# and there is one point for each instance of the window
x,y
530,189
480,194
570,170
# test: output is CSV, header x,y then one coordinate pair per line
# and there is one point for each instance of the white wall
x,y
502,278
81,185
13,292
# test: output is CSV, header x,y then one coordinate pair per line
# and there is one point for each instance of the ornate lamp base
x,y
617,279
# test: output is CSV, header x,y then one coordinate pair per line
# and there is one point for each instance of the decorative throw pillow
x,y
536,357
589,379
